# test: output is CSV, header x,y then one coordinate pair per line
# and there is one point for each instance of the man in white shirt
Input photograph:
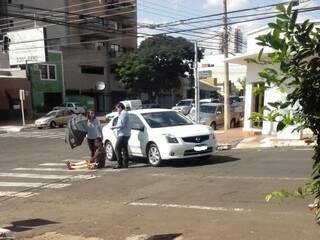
x,y
123,133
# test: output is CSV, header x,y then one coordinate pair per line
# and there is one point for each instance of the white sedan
x,y
162,134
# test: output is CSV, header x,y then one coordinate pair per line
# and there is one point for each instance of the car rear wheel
x,y
53,124
153,154
110,154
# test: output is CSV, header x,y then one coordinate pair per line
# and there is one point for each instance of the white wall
x,y
236,71
248,107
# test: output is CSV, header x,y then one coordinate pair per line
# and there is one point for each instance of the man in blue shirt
x,y
123,133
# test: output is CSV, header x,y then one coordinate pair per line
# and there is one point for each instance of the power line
x,y
80,15
244,21
69,6
228,12
170,32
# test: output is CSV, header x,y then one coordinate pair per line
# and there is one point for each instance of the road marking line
x,y
146,237
220,209
53,169
43,176
52,164
17,194
138,237
239,177
67,170
113,170
33,185
302,149
72,160
257,178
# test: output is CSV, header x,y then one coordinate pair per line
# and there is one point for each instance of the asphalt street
x,y
221,198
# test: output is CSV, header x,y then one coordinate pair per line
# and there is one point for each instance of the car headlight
x,y
170,138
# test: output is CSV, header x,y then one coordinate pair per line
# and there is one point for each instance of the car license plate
x,y
200,148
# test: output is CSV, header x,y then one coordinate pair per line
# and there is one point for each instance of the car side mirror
x,y
141,129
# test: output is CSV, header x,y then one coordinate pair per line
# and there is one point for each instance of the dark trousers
x,y
122,147
92,147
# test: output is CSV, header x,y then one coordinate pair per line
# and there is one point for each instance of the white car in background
x,y
184,106
72,107
162,134
129,105
53,119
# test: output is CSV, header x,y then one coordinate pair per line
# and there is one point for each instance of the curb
x,y
223,147
228,146
24,129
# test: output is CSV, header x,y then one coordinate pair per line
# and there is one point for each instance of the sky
x,y
162,11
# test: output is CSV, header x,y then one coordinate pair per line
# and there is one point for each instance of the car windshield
x,y
51,114
184,103
207,109
165,119
76,104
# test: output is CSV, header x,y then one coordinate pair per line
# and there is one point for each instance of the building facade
x,y
254,102
212,70
92,37
11,81
47,82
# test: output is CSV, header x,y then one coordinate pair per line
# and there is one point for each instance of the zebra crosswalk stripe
x,y
45,176
47,134
17,194
67,170
53,170
34,185
52,164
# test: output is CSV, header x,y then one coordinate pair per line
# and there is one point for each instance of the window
x,y
207,109
48,72
92,70
114,50
135,122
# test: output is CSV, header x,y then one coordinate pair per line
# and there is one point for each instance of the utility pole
x,y
226,69
196,83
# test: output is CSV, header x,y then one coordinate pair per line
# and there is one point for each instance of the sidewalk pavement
x,y
236,138
14,126
230,138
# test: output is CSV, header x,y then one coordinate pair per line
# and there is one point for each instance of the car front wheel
x,y
110,154
153,154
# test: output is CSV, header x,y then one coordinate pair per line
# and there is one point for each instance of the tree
x,y
295,69
157,65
